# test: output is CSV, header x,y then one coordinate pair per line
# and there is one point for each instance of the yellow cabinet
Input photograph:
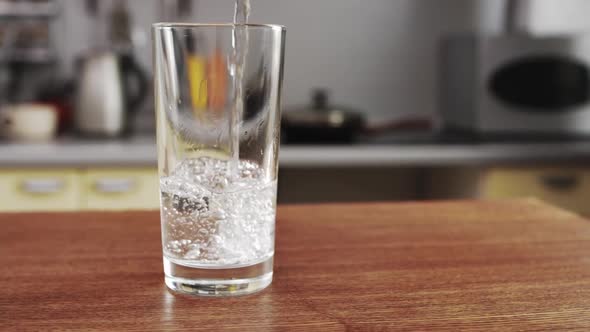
x,y
36,190
120,189
565,187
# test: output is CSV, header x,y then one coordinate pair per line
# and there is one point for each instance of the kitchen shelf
x,y
142,152
31,55
28,9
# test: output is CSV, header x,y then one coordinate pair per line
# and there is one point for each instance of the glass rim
x,y
179,25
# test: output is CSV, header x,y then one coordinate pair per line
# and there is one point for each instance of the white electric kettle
x,y
110,88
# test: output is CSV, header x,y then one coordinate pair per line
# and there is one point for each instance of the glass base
x,y
219,282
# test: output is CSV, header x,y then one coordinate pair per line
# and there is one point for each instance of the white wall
x,y
374,55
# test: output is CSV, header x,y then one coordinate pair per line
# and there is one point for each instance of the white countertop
x,y
142,152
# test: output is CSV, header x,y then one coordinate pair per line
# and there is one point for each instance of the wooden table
x,y
505,266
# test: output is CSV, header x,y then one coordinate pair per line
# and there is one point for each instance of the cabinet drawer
x,y
121,189
31,190
564,187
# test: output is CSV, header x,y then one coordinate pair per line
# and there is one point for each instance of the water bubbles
x,y
250,170
186,205
212,217
194,251
174,247
183,198
219,182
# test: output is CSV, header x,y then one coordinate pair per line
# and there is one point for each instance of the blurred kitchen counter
x,y
141,151
73,175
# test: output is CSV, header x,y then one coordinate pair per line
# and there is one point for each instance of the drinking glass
x,y
217,97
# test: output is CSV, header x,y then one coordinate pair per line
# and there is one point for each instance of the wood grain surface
x,y
457,266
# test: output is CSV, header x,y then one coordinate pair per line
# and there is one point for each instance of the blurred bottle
x,y
217,82
197,76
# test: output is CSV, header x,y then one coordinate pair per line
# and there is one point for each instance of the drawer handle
x,y
43,186
561,182
115,186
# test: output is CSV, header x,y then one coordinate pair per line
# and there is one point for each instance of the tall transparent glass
x,y
217,97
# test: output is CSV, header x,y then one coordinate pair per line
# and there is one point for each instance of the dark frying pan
x,y
321,123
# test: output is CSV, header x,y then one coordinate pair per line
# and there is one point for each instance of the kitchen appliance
x,y
546,17
516,84
321,123
110,88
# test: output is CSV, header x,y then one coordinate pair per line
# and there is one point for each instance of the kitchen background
x,y
385,61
